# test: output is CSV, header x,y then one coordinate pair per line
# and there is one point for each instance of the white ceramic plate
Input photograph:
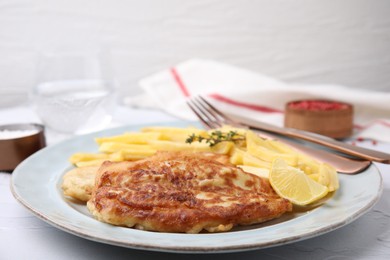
x,y
36,184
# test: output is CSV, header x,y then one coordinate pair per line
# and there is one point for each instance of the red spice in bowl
x,y
318,105
326,117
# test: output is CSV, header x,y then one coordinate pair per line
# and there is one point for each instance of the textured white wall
x,y
311,41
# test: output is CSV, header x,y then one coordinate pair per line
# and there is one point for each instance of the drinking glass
x,y
74,93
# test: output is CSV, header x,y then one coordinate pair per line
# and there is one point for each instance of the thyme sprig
x,y
216,137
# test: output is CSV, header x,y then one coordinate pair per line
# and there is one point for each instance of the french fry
x,y
307,164
174,134
237,156
268,155
263,150
328,174
250,160
281,147
133,155
261,172
110,147
223,147
129,138
85,157
97,159
177,146
97,162
254,139
117,156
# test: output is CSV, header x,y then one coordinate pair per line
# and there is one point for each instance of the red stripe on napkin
x,y
180,82
384,123
378,121
221,98
244,105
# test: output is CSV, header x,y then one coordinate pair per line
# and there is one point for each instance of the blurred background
x,y
343,42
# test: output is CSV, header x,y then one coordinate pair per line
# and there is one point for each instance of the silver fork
x,y
211,118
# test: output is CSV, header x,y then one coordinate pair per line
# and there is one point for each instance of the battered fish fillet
x,y
79,182
182,192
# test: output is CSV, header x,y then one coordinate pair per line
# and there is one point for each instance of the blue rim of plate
x,y
36,185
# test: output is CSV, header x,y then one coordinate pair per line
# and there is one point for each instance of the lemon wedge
x,y
293,184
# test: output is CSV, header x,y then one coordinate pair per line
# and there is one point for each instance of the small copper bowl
x,y
20,141
326,117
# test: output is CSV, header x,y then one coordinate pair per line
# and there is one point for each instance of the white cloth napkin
x,y
239,91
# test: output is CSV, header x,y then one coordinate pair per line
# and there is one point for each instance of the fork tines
x,y
209,115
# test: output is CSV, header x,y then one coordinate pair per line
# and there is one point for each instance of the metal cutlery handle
x,y
349,149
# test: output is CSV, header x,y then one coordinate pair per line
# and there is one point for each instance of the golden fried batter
x,y
79,182
182,192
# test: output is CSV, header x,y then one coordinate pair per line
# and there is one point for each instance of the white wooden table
x,y
24,236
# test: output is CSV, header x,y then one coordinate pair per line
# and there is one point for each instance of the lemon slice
x,y
293,184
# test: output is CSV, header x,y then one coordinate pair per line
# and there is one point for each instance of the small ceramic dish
x,y
19,141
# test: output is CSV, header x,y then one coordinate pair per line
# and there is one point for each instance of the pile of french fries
x,y
254,155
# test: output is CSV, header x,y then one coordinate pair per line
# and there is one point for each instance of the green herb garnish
x,y
216,137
